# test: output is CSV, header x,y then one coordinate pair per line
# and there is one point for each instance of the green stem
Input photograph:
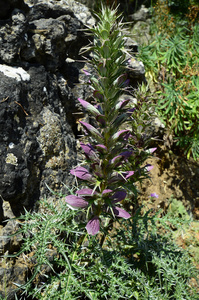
x,y
110,223
79,243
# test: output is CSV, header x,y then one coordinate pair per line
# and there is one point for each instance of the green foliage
x,y
181,227
177,211
176,217
181,7
141,139
135,261
174,49
173,108
171,61
53,225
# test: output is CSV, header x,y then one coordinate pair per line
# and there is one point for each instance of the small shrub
x,y
171,61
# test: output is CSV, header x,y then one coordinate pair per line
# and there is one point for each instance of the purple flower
x,y
85,192
154,195
131,110
98,95
119,212
128,174
148,167
101,119
119,196
117,160
120,134
93,226
91,108
120,177
81,173
101,148
86,72
89,151
76,201
122,81
151,150
107,191
99,108
126,154
122,103
91,129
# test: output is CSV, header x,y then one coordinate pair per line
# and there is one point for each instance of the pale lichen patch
x,y
11,159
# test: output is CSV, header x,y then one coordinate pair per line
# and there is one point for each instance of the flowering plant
x,y
108,151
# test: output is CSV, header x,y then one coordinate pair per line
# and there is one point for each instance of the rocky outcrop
x,y
39,86
39,40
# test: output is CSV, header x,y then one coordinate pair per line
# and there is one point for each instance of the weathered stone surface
x,y
136,70
39,86
36,138
8,242
6,7
37,126
141,15
12,274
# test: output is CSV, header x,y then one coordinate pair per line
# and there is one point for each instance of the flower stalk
x,y
108,150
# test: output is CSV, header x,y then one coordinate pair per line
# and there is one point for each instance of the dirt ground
x,y
172,177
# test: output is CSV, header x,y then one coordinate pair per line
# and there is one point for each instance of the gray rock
x,y
13,273
141,32
12,36
17,73
8,242
136,72
38,97
39,87
141,15
36,138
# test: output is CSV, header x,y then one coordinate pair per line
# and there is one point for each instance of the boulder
x,y
141,15
38,97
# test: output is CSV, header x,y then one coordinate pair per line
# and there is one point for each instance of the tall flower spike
x,y
107,151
